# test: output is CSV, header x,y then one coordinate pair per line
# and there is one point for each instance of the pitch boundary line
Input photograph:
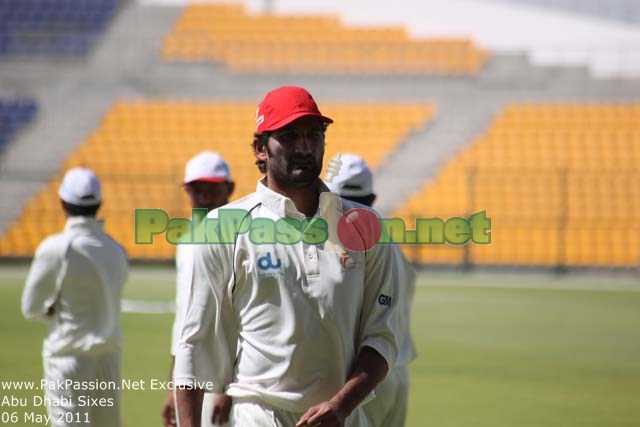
x,y
528,286
147,307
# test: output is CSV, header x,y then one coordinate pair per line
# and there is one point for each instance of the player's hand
x,y
326,414
169,411
221,409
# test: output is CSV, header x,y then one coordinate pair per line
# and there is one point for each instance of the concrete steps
x,y
419,158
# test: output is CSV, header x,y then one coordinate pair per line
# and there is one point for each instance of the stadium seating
x,y
559,182
52,27
14,115
246,43
140,149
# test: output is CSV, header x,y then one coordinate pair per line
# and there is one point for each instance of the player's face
x,y
208,195
295,153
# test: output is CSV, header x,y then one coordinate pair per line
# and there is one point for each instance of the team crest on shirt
x,y
347,262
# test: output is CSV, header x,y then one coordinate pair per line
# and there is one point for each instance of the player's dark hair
x,y
261,139
363,200
75,210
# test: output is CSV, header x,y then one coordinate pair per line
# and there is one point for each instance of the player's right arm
x,y
182,278
39,293
222,403
189,402
206,350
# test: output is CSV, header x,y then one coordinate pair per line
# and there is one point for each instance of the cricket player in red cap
x,y
295,335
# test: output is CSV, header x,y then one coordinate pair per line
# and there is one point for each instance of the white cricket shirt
x,y
81,273
283,324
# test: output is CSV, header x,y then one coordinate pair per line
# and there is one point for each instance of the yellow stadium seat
x,y
310,44
563,188
140,149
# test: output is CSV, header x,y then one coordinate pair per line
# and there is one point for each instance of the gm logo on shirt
x,y
265,263
384,300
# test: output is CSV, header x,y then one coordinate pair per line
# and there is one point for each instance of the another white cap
x,y
207,166
355,178
80,187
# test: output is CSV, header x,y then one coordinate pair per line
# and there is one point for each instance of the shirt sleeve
x,y
207,334
40,288
378,320
183,280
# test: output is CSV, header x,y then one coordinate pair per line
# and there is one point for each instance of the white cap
x,y
80,187
207,166
355,178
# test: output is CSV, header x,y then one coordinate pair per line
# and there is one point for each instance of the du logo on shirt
x,y
265,263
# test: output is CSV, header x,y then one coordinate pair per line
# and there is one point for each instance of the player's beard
x,y
296,171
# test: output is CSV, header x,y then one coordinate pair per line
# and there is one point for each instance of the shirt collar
x,y
77,223
283,206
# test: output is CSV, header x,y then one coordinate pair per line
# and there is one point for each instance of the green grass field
x,y
495,350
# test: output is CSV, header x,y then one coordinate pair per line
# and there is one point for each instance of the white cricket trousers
x,y
389,408
253,414
77,406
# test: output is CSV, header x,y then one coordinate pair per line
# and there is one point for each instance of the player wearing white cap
x,y
296,335
74,285
355,182
208,183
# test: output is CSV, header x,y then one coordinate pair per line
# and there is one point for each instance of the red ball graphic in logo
x,y
359,229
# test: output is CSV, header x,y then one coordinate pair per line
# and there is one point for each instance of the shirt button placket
x,y
311,260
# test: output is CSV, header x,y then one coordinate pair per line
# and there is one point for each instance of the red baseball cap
x,y
283,105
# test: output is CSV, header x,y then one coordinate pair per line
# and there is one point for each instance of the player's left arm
x,y
378,348
370,369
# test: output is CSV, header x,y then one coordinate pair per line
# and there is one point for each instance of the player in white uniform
x,y
74,285
208,183
297,335
389,408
